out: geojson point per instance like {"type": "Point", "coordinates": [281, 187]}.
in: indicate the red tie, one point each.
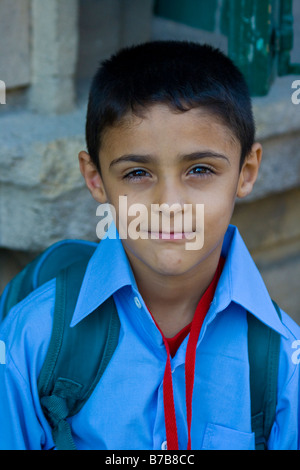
{"type": "Point", "coordinates": [190, 358]}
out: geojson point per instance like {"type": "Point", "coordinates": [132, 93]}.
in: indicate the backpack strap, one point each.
{"type": "Point", "coordinates": [263, 350]}
{"type": "Point", "coordinates": [17, 289]}
{"type": "Point", "coordinates": [43, 268]}
{"type": "Point", "coordinates": [77, 356]}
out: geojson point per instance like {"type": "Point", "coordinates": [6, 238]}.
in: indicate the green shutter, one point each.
{"type": "Point", "coordinates": [260, 33]}
{"type": "Point", "coordinates": [195, 13]}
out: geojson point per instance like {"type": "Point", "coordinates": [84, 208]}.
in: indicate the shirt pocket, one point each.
{"type": "Point", "coordinates": [218, 437]}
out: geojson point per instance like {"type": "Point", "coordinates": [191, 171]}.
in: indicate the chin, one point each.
{"type": "Point", "coordinates": [171, 264]}
{"type": "Point", "coordinates": [167, 261]}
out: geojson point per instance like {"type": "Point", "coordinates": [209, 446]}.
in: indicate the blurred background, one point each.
{"type": "Point", "coordinates": [49, 51]}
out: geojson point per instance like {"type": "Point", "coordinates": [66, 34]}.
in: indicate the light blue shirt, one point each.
{"type": "Point", "coordinates": [126, 409]}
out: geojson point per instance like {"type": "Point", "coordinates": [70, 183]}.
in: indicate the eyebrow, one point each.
{"type": "Point", "coordinates": [146, 159]}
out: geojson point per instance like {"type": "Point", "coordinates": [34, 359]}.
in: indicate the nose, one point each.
{"type": "Point", "coordinates": [169, 197]}
{"type": "Point", "coordinates": [167, 211]}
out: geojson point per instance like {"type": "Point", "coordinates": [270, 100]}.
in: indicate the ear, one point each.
{"type": "Point", "coordinates": [249, 171]}
{"type": "Point", "coordinates": [92, 177]}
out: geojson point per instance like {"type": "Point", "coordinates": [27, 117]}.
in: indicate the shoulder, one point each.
{"type": "Point", "coordinates": [286, 429]}
{"type": "Point", "coordinates": [292, 332]}
{"type": "Point", "coordinates": [292, 328]}
{"type": "Point", "coordinates": [290, 348]}
{"type": "Point", "coordinates": [26, 331]}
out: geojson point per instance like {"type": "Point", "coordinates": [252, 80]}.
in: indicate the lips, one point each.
{"type": "Point", "coordinates": [170, 235]}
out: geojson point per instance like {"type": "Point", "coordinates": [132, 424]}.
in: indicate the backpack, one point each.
{"type": "Point", "coordinates": [78, 356]}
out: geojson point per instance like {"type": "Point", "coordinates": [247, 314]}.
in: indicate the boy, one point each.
{"type": "Point", "coordinates": [169, 127]}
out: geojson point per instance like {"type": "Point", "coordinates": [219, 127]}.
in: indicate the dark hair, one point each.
{"type": "Point", "coordinates": [181, 74]}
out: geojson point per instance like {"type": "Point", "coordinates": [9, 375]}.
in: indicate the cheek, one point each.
{"type": "Point", "coordinates": [218, 212]}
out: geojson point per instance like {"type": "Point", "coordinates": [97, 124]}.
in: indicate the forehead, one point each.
{"type": "Point", "coordinates": [159, 127]}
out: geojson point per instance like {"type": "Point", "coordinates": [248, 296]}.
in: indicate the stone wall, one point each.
{"type": "Point", "coordinates": [271, 229]}
{"type": "Point", "coordinates": [58, 46]}
{"type": "Point", "coordinates": [15, 63]}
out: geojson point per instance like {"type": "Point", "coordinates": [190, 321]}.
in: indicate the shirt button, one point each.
{"type": "Point", "coordinates": [137, 302]}
{"type": "Point", "coordinates": [164, 446]}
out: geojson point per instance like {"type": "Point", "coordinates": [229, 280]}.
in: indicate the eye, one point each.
{"type": "Point", "coordinates": [201, 171]}
{"type": "Point", "coordinates": [137, 175]}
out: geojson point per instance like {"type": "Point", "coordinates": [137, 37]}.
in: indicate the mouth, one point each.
{"type": "Point", "coordinates": [171, 235]}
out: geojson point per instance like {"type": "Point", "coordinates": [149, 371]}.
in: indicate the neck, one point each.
{"type": "Point", "coordinates": [172, 300]}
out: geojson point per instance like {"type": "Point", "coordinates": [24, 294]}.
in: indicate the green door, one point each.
{"type": "Point", "coordinates": [260, 33]}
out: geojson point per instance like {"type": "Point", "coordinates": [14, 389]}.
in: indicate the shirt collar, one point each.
{"type": "Point", "coordinates": [241, 282]}
{"type": "Point", "coordinates": [109, 270]}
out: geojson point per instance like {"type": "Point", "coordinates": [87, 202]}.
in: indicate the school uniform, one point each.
{"type": "Point", "coordinates": [127, 407]}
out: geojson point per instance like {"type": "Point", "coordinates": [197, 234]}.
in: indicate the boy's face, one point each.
{"type": "Point", "coordinates": [171, 158]}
